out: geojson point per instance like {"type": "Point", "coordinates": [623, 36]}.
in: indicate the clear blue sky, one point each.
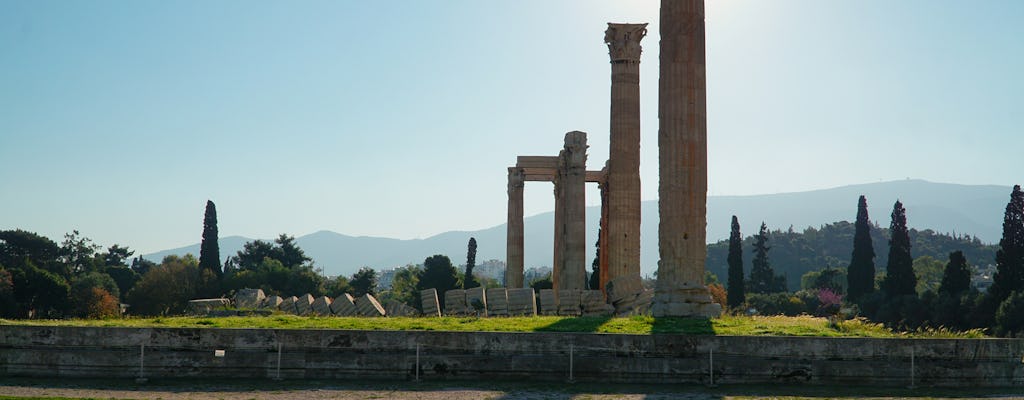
{"type": "Point", "coordinates": [121, 118]}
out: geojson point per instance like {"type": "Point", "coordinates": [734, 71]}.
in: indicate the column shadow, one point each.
{"type": "Point", "coordinates": [685, 326]}
{"type": "Point", "coordinates": [578, 324]}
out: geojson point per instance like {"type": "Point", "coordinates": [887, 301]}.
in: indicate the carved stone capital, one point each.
{"type": "Point", "coordinates": [623, 41]}
{"type": "Point", "coordinates": [515, 179]}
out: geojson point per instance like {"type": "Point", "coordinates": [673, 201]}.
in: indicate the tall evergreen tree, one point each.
{"type": "Point", "coordinates": [736, 295]}
{"type": "Point", "coordinates": [860, 276]}
{"type": "Point", "coordinates": [762, 276]}
{"type": "Point", "coordinates": [1009, 275]}
{"type": "Point", "coordinates": [595, 276]}
{"type": "Point", "coordinates": [956, 278]}
{"type": "Point", "coordinates": [900, 279]}
{"type": "Point", "coordinates": [437, 273]}
{"type": "Point", "coordinates": [469, 281]}
{"type": "Point", "coordinates": [209, 250]}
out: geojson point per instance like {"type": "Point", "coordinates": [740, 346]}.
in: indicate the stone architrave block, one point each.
{"type": "Point", "coordinates": [368, 306]}
{"type": "Point", "coordinates": [569, 302]}
{"type": "Point", "coordinates": [395, 308]}
{"type": "Point", "coordinates": [271, 303]}
{"type": "Point", "coordinates": [623, 288]}
{"type": "Point", "coordinates": [249, 298]}
{"type": "Point", "coordinates": [304, 304]}
{"type": "Point", "coordinates": [592, 302]}
{"type": "Point", "coordinates": [205, 306]}
{"type": "Point", "coordinates": [636, 305]}
{"type": "Point", "coordinates": [288, 305]}
{"type": "Point", "coordinates": [344, 306]}
{"type": "Point", "coordinates": [455, 302]}
{"type": "Point", "coordinates": [322, 306]}
{"type": "Point", "coordinates": [429, 301]}
{"type": "Point", "coordinates": [476, 301]}
{"type": "Point", "coordinates": [548, 302]}
{"type": "Point", "coordinates": [522, 301]}
{"type": "Point", "coordinates": [497, 302]}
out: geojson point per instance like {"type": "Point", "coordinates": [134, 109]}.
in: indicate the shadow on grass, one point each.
{"type": "Point", "coordinates": [685, 326]}
{"type": "Point", "coordinates": [578, 324]}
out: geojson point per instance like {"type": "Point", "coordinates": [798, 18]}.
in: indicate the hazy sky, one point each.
{"type": "Point", "coordinates": [399, 118]}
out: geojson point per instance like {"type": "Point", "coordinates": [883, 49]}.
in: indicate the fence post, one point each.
{"type": "Point", "coordinates": [417, 379]}
{"type": "Point", "coordinates": [142, 364]}
{"type": "Point", "coordinates": [278, 377]}
{"type": "Point", "coordinates": [711, 366]}
{"type": "Point", "coordinates": [911, 368]}
{"type": "Point", "coordinates": [571, 378]}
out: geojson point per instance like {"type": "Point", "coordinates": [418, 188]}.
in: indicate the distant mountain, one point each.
{"type": "Point", "coordinates": [964, 209]}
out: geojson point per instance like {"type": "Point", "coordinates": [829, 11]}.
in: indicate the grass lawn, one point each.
{"type": "Point", "coordinates": [725, 325]}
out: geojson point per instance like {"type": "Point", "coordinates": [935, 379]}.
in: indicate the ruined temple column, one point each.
{"type": "Point", "coordinates": [682, 159]}
{"type": "Point", "coordinates": [623, 234]}
{"type": "Point", "coordinates": [559, 233]}
{"type": "Point", "coordinates": [602, 238]}
{"type": "Point", "coordinates": [571, 269]}
{"type": "Point", "coordinates": [514, 238]}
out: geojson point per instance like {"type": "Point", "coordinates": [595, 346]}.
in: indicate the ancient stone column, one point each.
{"type": "Point", "coordinates": [682, 159]}
{"type": "Point", "coordinates": [559, 233]}
{"type": "Point", "coordinates": [623, 232]}
{"type": "Point", "coordinates": [602, 239]}
{"type": "Point", "coordinates": [571, 270]}
{"type": "Point", "coordinates": [514, 238]}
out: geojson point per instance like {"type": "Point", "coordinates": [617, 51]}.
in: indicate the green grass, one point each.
{"type": "Point", "coordinates": [725, 325]}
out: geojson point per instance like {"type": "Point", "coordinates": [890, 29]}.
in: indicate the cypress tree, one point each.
{"type": "Point", "coordinates": [762, 277]}
{"type": "Point", "coordinates": [469, 281]}
{"type": "Point", "coordinates": [1009, 275]}
{"type": "Point", "coordinates": [900, 279]}
{"type": "Point", "coordinates": [595, 277]}
{"type": "Point", "coordinates": [736, 295]}
{"type": "Point", "coordinates": [956, 278]}
{"type": "Point", "coordinates": [209, 250]}
{"type": "Point", "coordinates": [860, 276]}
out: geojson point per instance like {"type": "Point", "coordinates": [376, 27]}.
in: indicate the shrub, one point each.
{"type": "Point", "coordinates": [1010, 315]}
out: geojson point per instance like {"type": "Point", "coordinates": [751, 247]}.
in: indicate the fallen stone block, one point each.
{"type": "Point", "coordinates": [476, 301]}
{"type": "Point", "coordinates": [368, 306]}
{"type": "Point", "coordinates": [395, 308]}
{"type": "Point", "coordinates": [249, 298]}
{"type": "Point", "coordinates": [592, 303]}
{"type": "Point", "coordinates": [288, 305]}
{"type": "Point", "coordinates": [205, 306]}
{"type": "Point", "coordinates": [304, 305]}
{"type": "Point", "coordinates": [322, 306]}
{"type": "Point", "coordinates": [497, 302]}
{"type": "Point", "coordinates": [271, 303]}
{"type": "Point", "coordinates": [522, 301]}
{"type": "Point", "coordinates": [623, 288]}
{"type": "Point", "coordinates": [569, 302]}
{"type": "Point", "coordinates": [344, 306]}
{"type": "Point", "coordinates": [455, 302]}
{"type": "Point", "coordinates": [429, 302]}
{"type": "Point", "coordinates": [548, 302]}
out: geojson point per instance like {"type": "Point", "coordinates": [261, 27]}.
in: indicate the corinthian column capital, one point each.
{"type": "Point", "coordinates": [623, 41]}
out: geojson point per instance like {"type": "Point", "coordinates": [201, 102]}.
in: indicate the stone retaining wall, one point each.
{"type": "Point", "coordinates": [341, 354]}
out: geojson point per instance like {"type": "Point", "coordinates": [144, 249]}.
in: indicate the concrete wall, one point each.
{"type": "Point", "coordinates": [340, 354]}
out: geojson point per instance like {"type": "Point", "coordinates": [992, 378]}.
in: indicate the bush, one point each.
{"type": "Point", "coordinates": [776, 304]}
{"type": "Point", "coordinates": [1010, 316]}
{"type": "Point", "coordinates": [99, 304]}
{"type": "Point", "coordinates": [718, 294]}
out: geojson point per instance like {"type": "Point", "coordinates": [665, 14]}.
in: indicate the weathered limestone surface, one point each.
{"type": "Point", "coordinates": [514, 239]}
{"type": "Point", "coordinates": [288, 305]}
{"type": "Point", "coordinates": [249, 298]}
{"type": "Point", "coordinates": [322, 305]}
{"type": "Point", "coordinates": [522, 301]}
{"type": "Point", "coordinates": [592, 303]}
{"type": "Point", "coordinates": [368, 306]}
{"type": "Point", "coordinates": [623, 287]}
{"type": "Point", "coordinates": [455, 302]}
{"type": "Point", "coordinates": [623, 233]}
{"type": "Point", "coordinates": [395, 308]}
{"type": "Point", "coordinates": [476, 301]}
{"type": "Point", "coordinates": [430, 303]}
{"type": "Point", "coordinates": [682, 161]}
{"type": "Point", "coordinates": [205, 306]}
{"type": "Point", "coordinates": [497, 302]}
{"type": "Point", "coordinates": [344, 306]}
{"type": "Point", "coordinates": [569, 271]}
{"type": "Point", "coordinates": [271, 303]}
{"type": "Point", "coordinates": [569, 302]}
{"type": "Point", "coordinates": [304, 304]}
{"type": "Point", "coordinates": [548, 302]}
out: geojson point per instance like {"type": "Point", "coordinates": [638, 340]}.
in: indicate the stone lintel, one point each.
{"type": "Point", "coordinates": [537, 162]}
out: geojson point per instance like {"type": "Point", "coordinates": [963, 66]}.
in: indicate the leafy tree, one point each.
{"type": "Point", "coordinates": [956, 278]}
{"type": "Point", "coordinates": [124, 277]}
{"type": "Point", "coordinates": [8, 303]}
{"type": "Point", "coordinates": [16, 246]}
{"type": "Point", "coordinates": [117, 256]}
{"type": "Point", "coordinates": [541, 283]}
{"type": "Point", "coordinates": [861, 272]}
{"type": "Point", "coordinates": [594, 283]}
{"type": "Point", "coordinates": [98, 304]}
{"type": "Point", "coordinates": [253, 253]}
{"type": "Point", "coordinates": [167, 288]}
{"type": "Point", "coordinates": [209, 249]}
{"type": "Point", "coordinates": [928, 271]}
{"type": "Point", "coordinates": [336, 286]}
{"type": "Point", "coordinates": [141, 265]}
{"type": "Point", "coordinates": [92, 295]}
{"type": "Point", "coordinates": [1010, 315]}
{"type": "Point", "coordinates": [736, 295]}
{"type": "Point", "coordinates": [1009, 275]}
{"type": "Point", "coordinates": [403, 286]}
{"type": "Point", "coordinates": [468, 281]}
{"type": "Point", "coordinates": [438, 273]}
{"type": "Point", "coordinates": [78, 252]}
{"type": "Point", "coordinates": [832, 279]}
{"type": "Point", "coordinates": [363, 282]}
{"type": "Point", "coordinates": [762, 277]}
{"type": "Point", "coordinates": [289, 253]}
{"type": "Point", "coordinates": [899, 278]}
{"type": "Point", "coordinates": [38, 292]}
{"type": "Point", "coordinates": [84, 282]}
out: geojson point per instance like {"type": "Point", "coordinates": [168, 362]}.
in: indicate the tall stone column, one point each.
{"type": "Point", "coordinates": [559, 233]}
{"type": "Point", "coordinates": [623, 234]}
{"type": "Point", "coordinates": [571, 271]}
{"type": "Point", "coordinates": [602, 238]}
{"type": "Point", "coordinates": [514, 237]}
{"type": "Point", "coordinates": [682, 154]}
